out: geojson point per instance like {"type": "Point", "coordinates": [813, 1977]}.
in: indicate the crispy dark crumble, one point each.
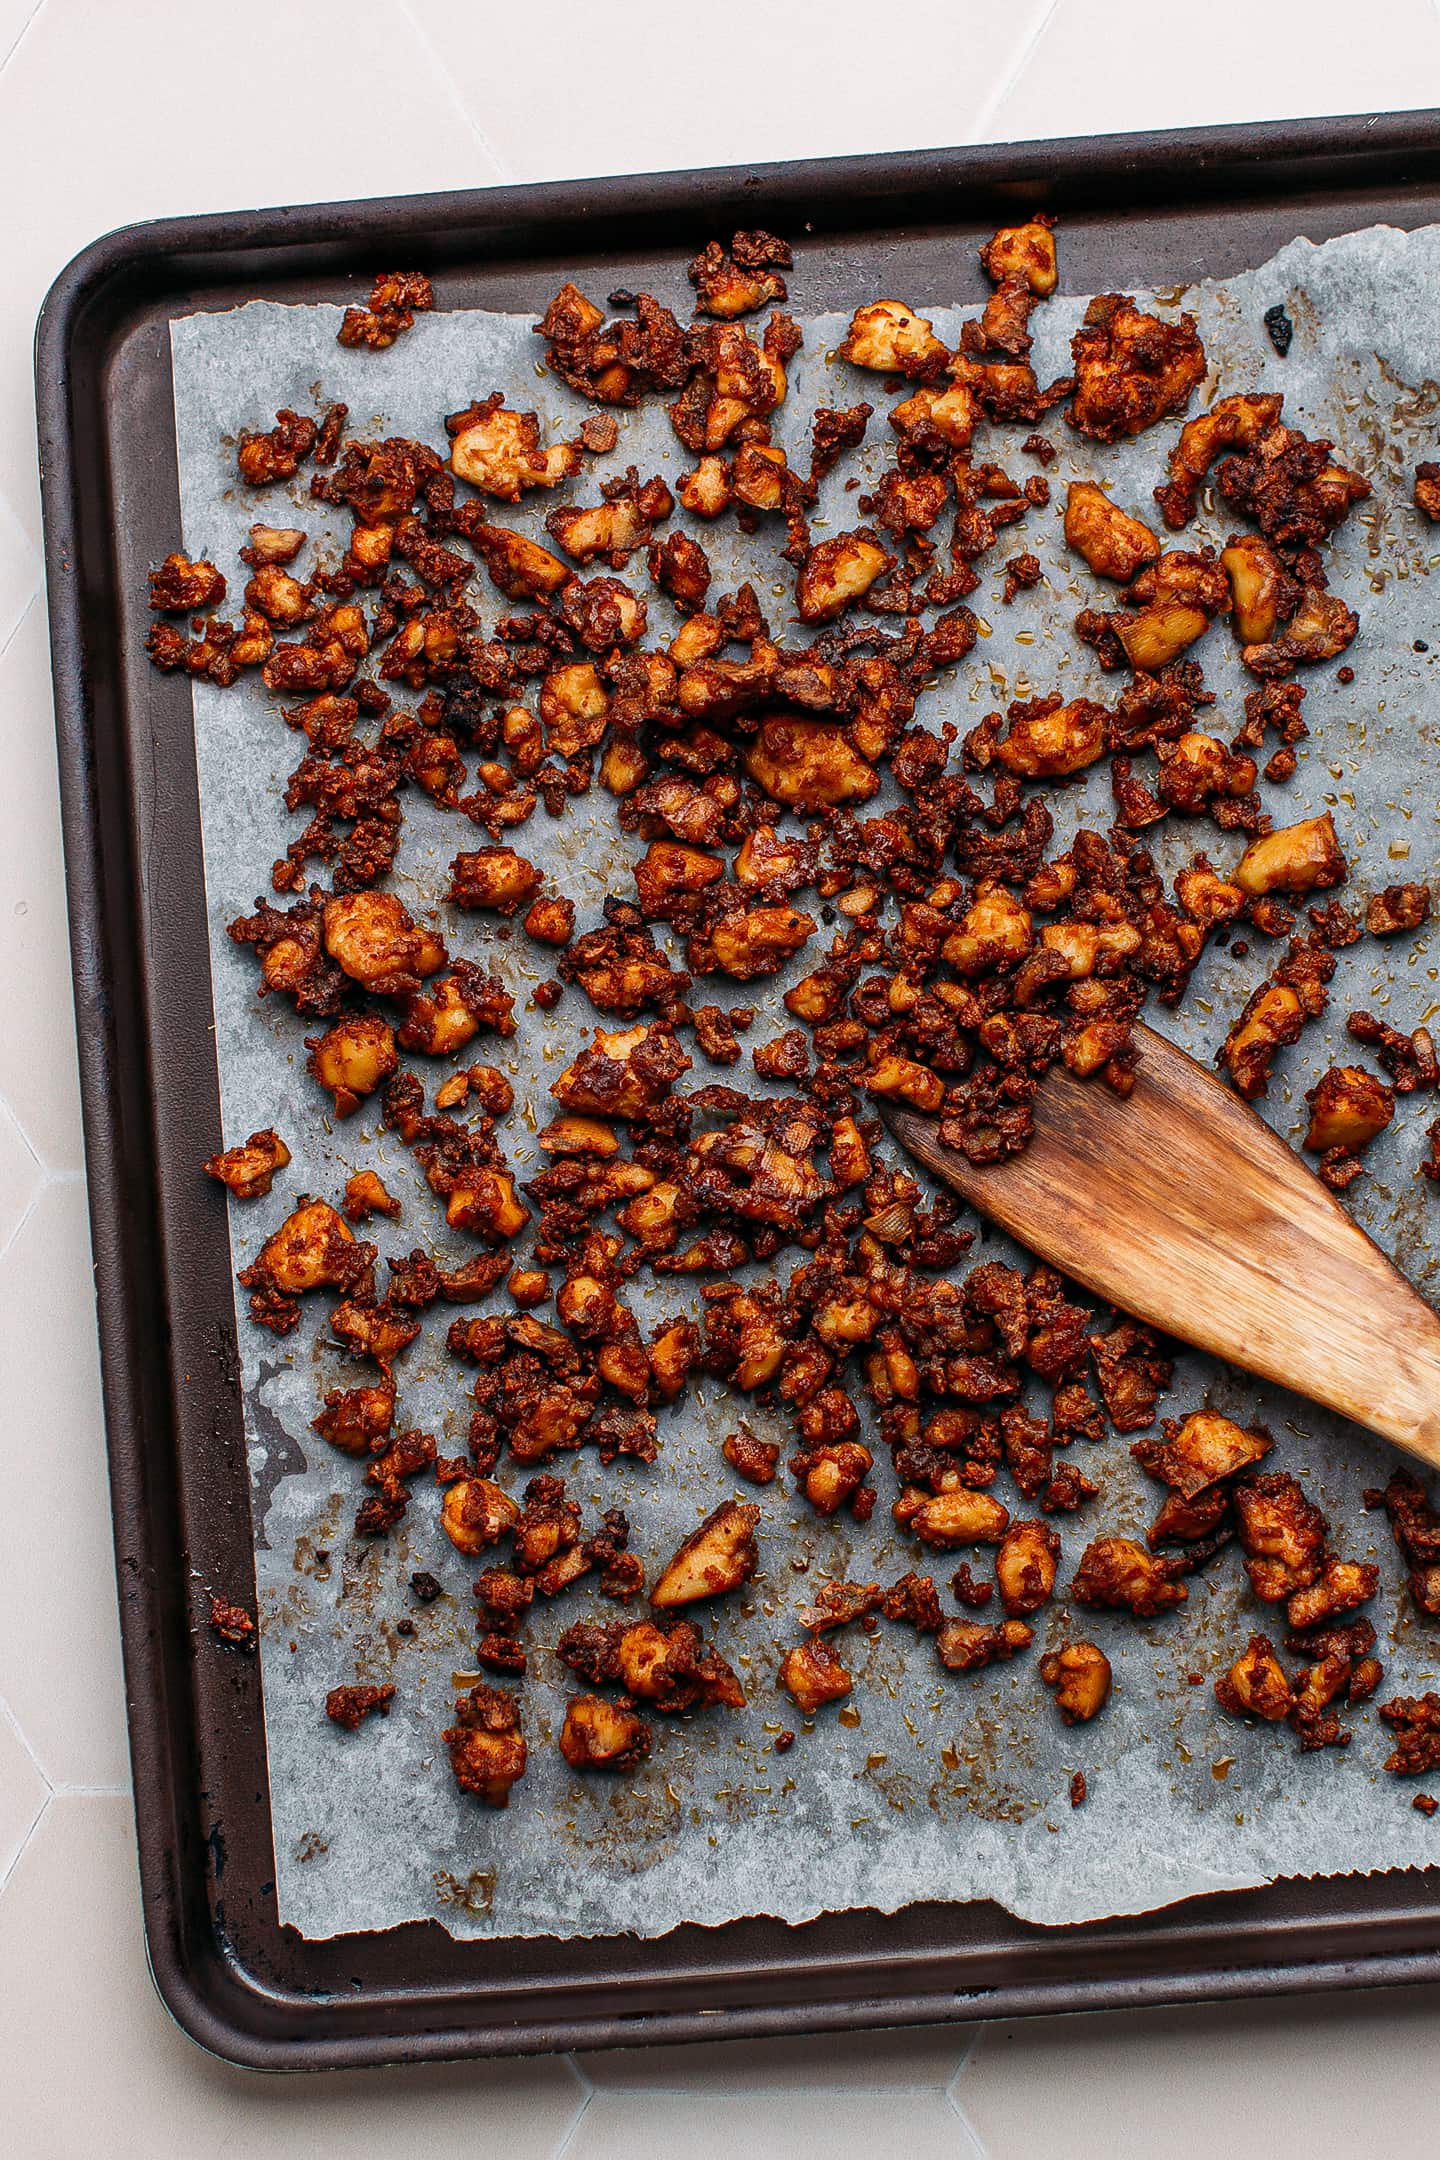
{"type": "Point", "coordinates": [348, 1707]}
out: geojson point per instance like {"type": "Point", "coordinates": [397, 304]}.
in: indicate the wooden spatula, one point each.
{"type": "Point", "coordinates": [1182, 1207]}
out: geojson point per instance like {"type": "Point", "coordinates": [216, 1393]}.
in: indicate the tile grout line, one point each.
{"type": "Point", "coordinates": [24, 615]}
{"type": "Point", "coordinates": [6, 1243]}
{"type": "Point", "coordinates": [807, 2091]}
{"type": "Point", "coordinates": [40, 1813]}
{"type": "Point", "coordinates": [25, 1140]}
{"type": "Point", "coordinates": [23, 33]}
{"type": "Point", "coordinates": [10, 1719]}
{"type": "Point", "coordinates": [980, 126]}
{"type": "Point", "coordinates": [403, 7]}
{"type": "Point", "coordinates": [587, 2095]}
{"type": "Point", "coordinates": [952, 2096]}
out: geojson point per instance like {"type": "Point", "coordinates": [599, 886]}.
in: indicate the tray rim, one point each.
{"type": "Point", "coordinates": [218, 2006]}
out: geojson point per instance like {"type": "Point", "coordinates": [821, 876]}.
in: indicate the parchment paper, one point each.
{"type": "Point", "coordinates": [927, 1785]}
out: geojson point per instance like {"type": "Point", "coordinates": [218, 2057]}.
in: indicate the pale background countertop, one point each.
{"type": "Point", "coordinates": [147, 108]}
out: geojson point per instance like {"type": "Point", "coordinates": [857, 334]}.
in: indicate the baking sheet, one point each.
{"type": "Point", "coordinates": [947, 1786]}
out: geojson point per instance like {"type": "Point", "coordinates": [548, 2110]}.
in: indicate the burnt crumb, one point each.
{"type": "Point", "coordinates": [1279, 328]}
{"type": "Point", "coordinates": [232, 1625]}
{"type": "Point", "coordinates": [348, 1707]}
{"type": "Point", "coordinates": [1078, 1789]}
{"type": "Point", "coordinates": [784, 1741]}
{"type": "Point", "coordinates": [600, 432]}
{"type": "Point", "coordinates": [1415, 1722]}
{"type": "Point", "coordinates": [968, 1590]}
{"type": "Point", "coordinates": [1424, 1803]}
{"type": "Point", "coordinates": [405, 1627]}
{"type": "Point", "coordinates": [424, 1586]}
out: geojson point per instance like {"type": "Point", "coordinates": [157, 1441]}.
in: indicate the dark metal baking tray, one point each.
{"type": "Point", "coordinates": [1151, 209]}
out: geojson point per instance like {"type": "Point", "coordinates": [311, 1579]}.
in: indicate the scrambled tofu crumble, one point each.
{"type": "Point", "coordinates": [952, 957]}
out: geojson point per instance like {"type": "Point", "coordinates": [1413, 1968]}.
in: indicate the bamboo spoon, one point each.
{"type": "Point", "coordinates": [1182, 1207]}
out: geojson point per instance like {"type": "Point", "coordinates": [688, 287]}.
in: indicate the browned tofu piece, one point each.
{"type": "Point", "coordinates": [808, 765]}
{"type": "Point", "coordinates": [249, 1169]}
{"type": "Point", "coordinates": [838, 572]}
{"type": "Point", "coordinates": [352, 1059]}
{"type": "Point", "coordinates": [948, 1520]}
{"type": "Point", "coordinates": [892, 339]}
{"type": "Point", "coordinates": [1258, 584]}
{"type": "Point", "coordinates": [1256, 1684]}
{"type": "Point", "coordinates": [968, 1645]}
{"type": "Point", "coordinates": [1205, 1448]}
{"type": "Point", "coordinates": [1231, 423]}
{"type": "Point", "coordinates": [1282, 1534]}
{"type": "Point", "coordinates": [487, 1748]}
{"type": "Point", "coordinates": [1131, 369]}
{"type": "Point", "coordinates": [348, 1707]}
{"type": "Point", "coordinates": [1272, 1018]}
{"type": "Point", "coordinates": [1342, 1586]}
{"type": "Point", "coordinates": [495, 878]}
{"type": "Point", "coordinates": [994, 933]}
{"type": "Point", "coordinates": [902, 1079]}
{"type": "Point", "coordinates": [1024, 251]}
{"type": "Point", "coordinates": [1294, 859]}
{"type": "Point", "coordinates": [183, 587]}
{"type": "Point", "coordinates": [623, 1074]}
{"type": "Point", "coordinates": [1348, 1107]}
{"type": "Point", "coordinates": [375, 939]}
{"type": "Point", "coordinates": [574, 709]}
{"type": "Point", "coordinates": [366, 1195]}
{"type": "Point", "coordinates": [500, 452]}
{"type": "Point", "coordinates": [1050, 739]}
{"type": "Point", "coordinates": [714, 1559]}
{"type": "Point", "coordinates": [1114, 544]}
{"type": "Point", "coordinates": [1116, 1571]}
{"type": "Point", "coordinates": [477, 1513]}
{"type": "Point", "coordinates": [1078, 1674]}
{"type": "Point", "coordinates": [1398, 907]}
{"type": "Point", "coordinates": [357, 1421]}
{"type": "Point", "coordinates": [599, 1735]}
{"type": "Point", "coordinates": [812, 1675]}
{"type": "Point", "coordinates": [312, 1250]}
{"type": "Point", "coordinates": [751, 942]}
{"type": "Point", "coordinates": [1026, 1565]}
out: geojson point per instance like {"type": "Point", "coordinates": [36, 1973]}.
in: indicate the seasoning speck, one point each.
{"type": "Point", "coordinates": [1279, 328]}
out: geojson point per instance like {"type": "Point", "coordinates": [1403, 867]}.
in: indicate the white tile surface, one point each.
{"type": "Point", "coordinates": [15, 15]}
{"type": "Point", "coordinates": [161, 107]}
{"type": "Point", "coordinates": [1290, 2081]}
{"type": "Point", "coordinates": [801, 2125]}
{"type": "Point", "coordinates": [38, 1079]}
{"type": "Point", "coordinates": [148, 108]}
{"type": "Point", "coordinates": [1098, 70]}
{"type": "Point", "coordinates": [557, 90]}
{"type": "Point", "coordinates": [59, 1640]}
{"type": "Point", "coordinates": [94, 2066]}
{"type": "Point", "coordinates": [19, 571]}
{"type": "Point", "coordinates": [21, 1177]}
{"type": "Point", "coordinates": [23, 1793]}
